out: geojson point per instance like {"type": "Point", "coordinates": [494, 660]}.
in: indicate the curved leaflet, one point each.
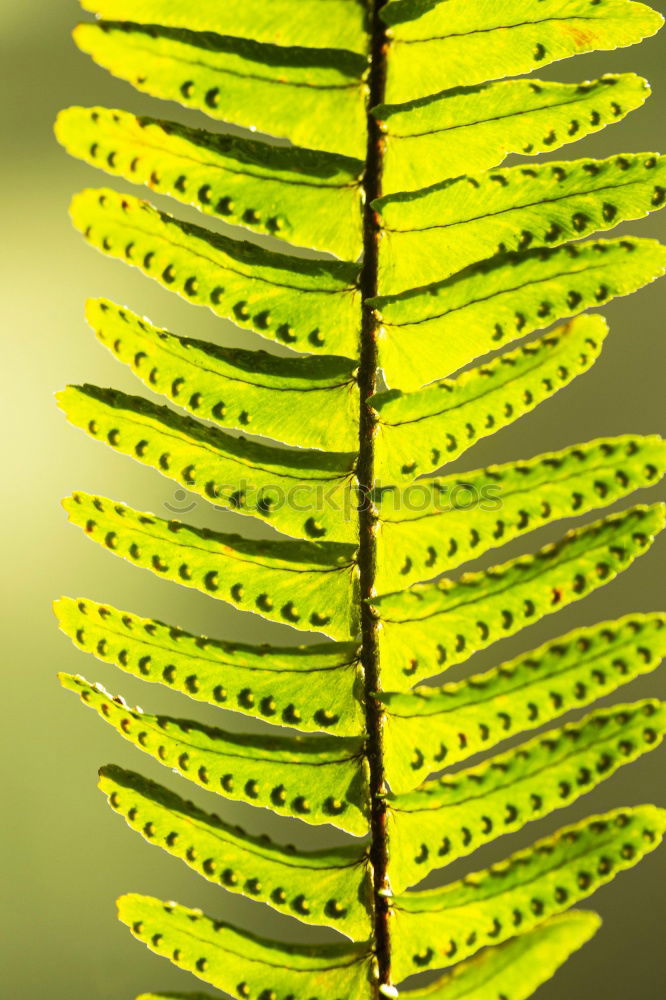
{"type": "Point", "coordinates": [317, 887]}
{"type": "Point", "coordinates": [315, 98]}
{"type": "Point", "coordinates": [474, 128]}
{"type": "Point", "coordinates": [312, 688]}
{"type": "Point", "coordinates": [431, 627]}
{"type": "Point", "coordinates": [307, 585]}
{"type": "Point", "coordinates": [306, 304]}
{"type": "Point", "coordinates": [267, 189]}
{"type": "Point", "coordinates": [319, 780]}
{"type": "Point", "coordinates": [288, 399]}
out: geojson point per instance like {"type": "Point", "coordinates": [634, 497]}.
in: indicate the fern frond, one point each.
{"type": "Point", "coordinates": [384, 126]}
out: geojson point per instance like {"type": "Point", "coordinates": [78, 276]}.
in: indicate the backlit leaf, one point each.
{"type": "Point", "coordinates": [317, 23]}
{"type": "Point", "coordinates": [308, 585]}
{"type": "Point", "coordinates": [312, 402]}
{"type": "Point", "coordinates": [428, 235]}
{"type": "Point", "coordinates": [308, 305]}
{"type": "Point", "coordinates": [360, 150]}
{"type": "Point", "coordinates": [446, 820]}
{"type": "Point", "coordinates": [316, 779]}
{"type": "Point", "coordinates": [434, 525]}
{"type": "Point", "coordinates": [474, 128]}
{"type": "Point", "coordinates": [315, 97]}
{"type": "Point", "coordinates": [431, 728]}
{"type": "Point", "coordinates": [318, 887]}
{"type": "Point", "coordinates": [312, 688]}
{"type": "Point", "coordinates": [438, 44]}
{"type": "Point", "coordinates": [431, 627]}
{"type": "Point", "coordinates": [305, 494]}
{"type": "Point", "coordinates": [436, 928]}
{"type": "Point", "coordinates": [308, 198]}
{"type": "Point", "coordinates": [434, 331]}
{"type": "Point", "coordinates": [242, 963]}
{"type": "Point", "coordinates": [420, 431]}
{"type": "Point", "coordinates": [512, 970]}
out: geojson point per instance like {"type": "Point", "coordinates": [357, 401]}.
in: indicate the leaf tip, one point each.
{"type": "Point", "coordinates": [94, 309]}
{"type": "Point", "coordinates": [82, 35]}
{"type": "Point", "coordinates": [61, 397]}
{"type": "Point", "coordinates": [60, 607]}
{"type": "Point", "coordinates": [588, 921]}
{"type": "Point", "coordinates": [70, 682]}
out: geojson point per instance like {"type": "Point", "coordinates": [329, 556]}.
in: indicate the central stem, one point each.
{"type": "Point", "coordinates": [367, 380]}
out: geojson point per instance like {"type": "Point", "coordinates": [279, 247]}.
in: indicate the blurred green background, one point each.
{"type": "Point", "coordinates": [66, 856]}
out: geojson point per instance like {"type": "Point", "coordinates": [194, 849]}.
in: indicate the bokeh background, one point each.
{"type": "Point", "coordinates": [65, 855]}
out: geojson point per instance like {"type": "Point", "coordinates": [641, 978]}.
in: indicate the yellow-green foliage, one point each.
{"type": "Point", "coordinates": [398, 247]}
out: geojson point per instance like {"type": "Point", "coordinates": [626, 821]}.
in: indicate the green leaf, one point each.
{"type": "Point", "coordinates": [318, 779]}
{"type": "Point", "coordinates": [308, 198]}
{"type": "Point", "coordinates": [514, 969]}
{"type": "Point", "coordinates": [435, 928]}
{"type": "Point", "coordinates": [428, 235]}
{"type": "Point", "coordinates": [317, 887]}
{"type": "Point", "coordinates": [309, 305]}
{"type": "Point", "coordinates": [431, 627]}
{"type": "Point", "coordinates": [434, 525]}
{"type": "Point", "coordinates": [242, 963]}
{"type": "Point", "coordinates": [310, 402]}
{"type": "Point", "coordinates": [314, 97]}
{"type": "Point", "coordinates": [449, 819]}
{"type": "Point", "coordinates": [430, 728]}
{"type": "Point", "coordinates": [316, 23]}
{"type": "Point", "coordinates": [431, 332]}
{"type": "Point", "coordinates": [460, 260]}
{"type": "Point", "coordinates": [311, 688]}
{"type": "Point", "coordinates": [475, 128]}
{"type": "Point", "coordinates": [308, 585]}
{"type": "Point", "coordinates": [419, 431]}
{"type": "Point", "coordinates": [438, 44]}
{"type": "Point", "coordinates": [305, 494]}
